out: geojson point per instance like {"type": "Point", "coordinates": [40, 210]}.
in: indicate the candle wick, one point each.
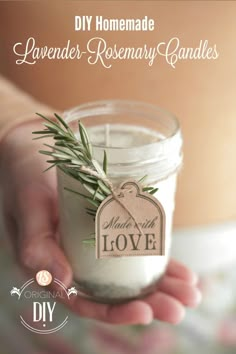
{"type": "Point", "coordinates": [107, 135]}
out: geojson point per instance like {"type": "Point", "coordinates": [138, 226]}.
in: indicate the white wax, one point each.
{"type": "Point", "coordinates": [129, 273]}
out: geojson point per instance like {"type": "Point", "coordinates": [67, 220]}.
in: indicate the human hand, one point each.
{"type": "Point", "coordinates": [31, 218]}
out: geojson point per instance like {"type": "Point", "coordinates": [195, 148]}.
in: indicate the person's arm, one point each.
{"type": "Point", "coordinates": [17, 107]}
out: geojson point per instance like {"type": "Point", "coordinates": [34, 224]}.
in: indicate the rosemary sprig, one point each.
{"type": "Point", "coordinates": [74, 157]}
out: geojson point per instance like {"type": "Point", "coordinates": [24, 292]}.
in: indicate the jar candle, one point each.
{"type": "Point", "coordinates": [140, 140]}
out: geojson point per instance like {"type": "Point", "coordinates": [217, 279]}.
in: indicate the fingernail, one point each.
{"type": "Point", "coordinates": [195, 279]}
{"type": "Point", "coordinates": [180, 317]}
{"type": "Point", "coordinates": [61, 273]}
{"type": "Point", "coordinates": [198, 296]}
{"type": "Point", "coordinates": [148, 318]}
{"type": "Point", "coordinates": [147, 321]}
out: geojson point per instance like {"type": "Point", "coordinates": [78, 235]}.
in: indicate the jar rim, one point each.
{"type": "Point", "coordinates": [158, 158]}
{"type": "Point", "coordinates": [115, 106]}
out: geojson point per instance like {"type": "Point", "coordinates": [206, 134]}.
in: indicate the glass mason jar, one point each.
{"type": "Point", "coordinates": [140, 140]}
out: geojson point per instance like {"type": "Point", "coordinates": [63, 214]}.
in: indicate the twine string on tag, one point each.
{"type": "Point", "coordinates": [107, 182]}
{"type": "Point", "coordinates": [116, 197]}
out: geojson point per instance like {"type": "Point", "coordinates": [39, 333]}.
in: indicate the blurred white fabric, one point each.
{"type": "Point", "coordinates": [207, 248]}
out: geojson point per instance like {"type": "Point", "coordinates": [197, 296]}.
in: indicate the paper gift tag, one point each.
{"type": "Point", "coordinates": [130, 223]}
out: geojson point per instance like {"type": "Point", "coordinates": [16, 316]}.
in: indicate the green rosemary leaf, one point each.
{"type": "Point", "coordinates": [63, 169]}
{"type": "Point", "coordinates": [85, 140]}
{"type": "Point", "coordinates": [96, 194]}
{"type": "Point", "coordinates": [62, 121]}
{"type": "Point", "coordinates": [61, 137]}
{"type": "Point", "coordinates": [50, 121]}
{"type": "Point", "coordinates": [52, 165]}
{"type": "Point", "coordinates": [142, 179]}
{"type": "Point", "coordinates": [104, 165]}
{"type": "Point", "coordinates": [98, 168]}
{"type": "Point", "coordinates": [61, 156]}
{"type": "Point", "coordinates": [54, 148]}
{"type": "Point", "coordinates": [91, 211]}
{"type": "Point", "coordinates": [103, 187]}
{"type": "Point", "coordinates": [89, 241]}
{"type": "Point", "coordinates": [93, 202]}
{"type": "Point", "coordinates": [153, 191]}
{"type": "Point", "coordinates": [82, 137]}
{"type": "Point", "coordinates": [41, 132]}
{"type": "Point", "coordinates": [147, 189]}
{"type": "Point", "coordinates": [71, 173]}
{"type": "Point", "coordinates": [91, 214]}
{"type": "Point", "coordinates": [52, 128]}
{"type": "Point", "coordinates": [90, 200]}
{"type": "Point", "coordinates": [44, 136]}
{"type": "Point", "coordinates": [60, 143]}
{"type": "Point", "coordinates": [76, 162]}
{"type": "Point", "coordinates": [76, 152]}
{"type": "Point", "coordinates": [58, 137]}
{"type": "Point", "coordinates": [43, 152]}
{"type": "Point", "coordinates": [87, 179]}
{"type": "Point", "coordinates": [79, 148]}
{"type": "Point", "coordinates": [45, 118]}
{"type": "Point", "coordinates": [91, 189]}
{"type": "Point", "coordinates": [58, 161]}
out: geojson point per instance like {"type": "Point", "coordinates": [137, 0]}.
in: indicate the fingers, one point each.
{"type": "Point", "coordinates": [166, 308]}
{"type": "Point", "coordinates": [36, 219]}
{"type": "Point", "coordinates": [134, 312]}
{"type": "Point", "coordinates": [175, 290]}
{"type": "Point", "coordinates": [166, 304]}
{"type": "Point", "coordinates": [186, 293]}
{"type": "Point", "coordinates": [46, 254]}
{"type": "Point", "coordinates": [180, 271]}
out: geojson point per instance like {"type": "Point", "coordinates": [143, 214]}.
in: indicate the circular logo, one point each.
{"type": "Point", "coordinates": [44, 278]}
{"type": "Point", "coordinates": [45, 316]}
